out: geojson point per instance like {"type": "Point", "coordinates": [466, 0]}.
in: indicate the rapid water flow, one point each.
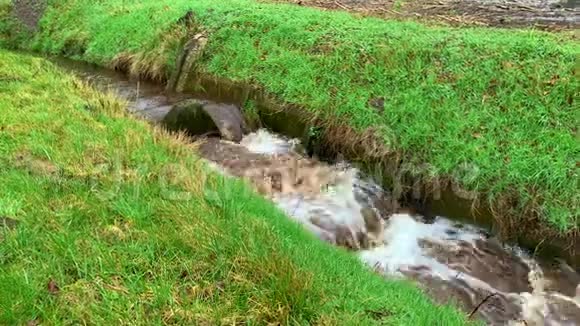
{"type": "Point", "coordinates": [452, 262]}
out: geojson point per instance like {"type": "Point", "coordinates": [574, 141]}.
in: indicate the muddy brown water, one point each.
{"type": "Point", "coordinates": [452, 260]}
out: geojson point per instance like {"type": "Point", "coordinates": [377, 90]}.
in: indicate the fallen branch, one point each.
{"type": "Point", "coordinates": [341, 5]}
{"type": "Point", "coordinates": [480, 304]}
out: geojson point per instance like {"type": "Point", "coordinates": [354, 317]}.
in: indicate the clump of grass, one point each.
{"type": "Point", "coordinates": [120, 223]}
{"type": "Point", "coordinates": [5, 6]}
{"type": "Point", "coordinates": [251, 114]}
{"type": "Point", "coordinates": [501, 101]}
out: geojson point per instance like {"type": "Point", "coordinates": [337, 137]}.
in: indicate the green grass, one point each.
{"type": "Point", "coordinates": [502, 101]}
{"type": "Point", "coordinates": [4, 21]}
{"type": "Point", "coordinates": [119, 223]}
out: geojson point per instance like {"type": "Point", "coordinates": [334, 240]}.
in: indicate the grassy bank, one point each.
{"type": "Point", "coordinates": [4, 22]}
{"type": "Point", "coordinates": [499, 101]}
{"type": "Point", "coordinates": [119, 223]}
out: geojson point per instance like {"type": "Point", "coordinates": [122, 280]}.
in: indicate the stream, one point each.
{"type": "Point", "coordinates": [452, 261]}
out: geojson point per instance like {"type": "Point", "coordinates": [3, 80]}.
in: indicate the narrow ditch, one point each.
{"type": "Point", "coordinates": [344, 200]}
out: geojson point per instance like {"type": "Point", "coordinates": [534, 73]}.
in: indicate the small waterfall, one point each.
{"type": "Point", "coordinates": [453, 262]}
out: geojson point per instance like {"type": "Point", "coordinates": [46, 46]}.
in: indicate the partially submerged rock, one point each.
{"type": "Point", "coordinates": [229, 120]}
{"type": "Point", "coordinates": [204, 118]}
{"type": "Point", "coordinates": [190, 116]}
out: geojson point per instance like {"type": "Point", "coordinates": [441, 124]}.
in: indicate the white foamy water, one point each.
{"type": "Point", "coordinates": [336, 207]}
{"type": "Point", "coordinates": [402, 250]}
{"type": "Point", "coordinates": [264, 142]}
{"type": "Point", "coordinates": [442, 256]}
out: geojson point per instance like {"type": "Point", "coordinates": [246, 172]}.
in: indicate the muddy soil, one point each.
{"type": "Point", "coordinates": [29, 12]}
{"type": "Point", "coordinates": [543, 14]}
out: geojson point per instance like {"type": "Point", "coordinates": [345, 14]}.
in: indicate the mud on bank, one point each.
{"type": "Point", "coordinates": [550, 15]}
{"type": "Point", "coordinates": [389, 93]}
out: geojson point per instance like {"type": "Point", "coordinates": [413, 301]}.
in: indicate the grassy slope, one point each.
{"type": "Point", "coordinates": [96, 196]}
{"type": "Point", "coordinates": [4, 22]}
{"type": "Point", "coordinates": [498, 100]}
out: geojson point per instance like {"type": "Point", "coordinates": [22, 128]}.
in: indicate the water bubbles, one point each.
{"type": "Point", "coordinates": [450, 259]}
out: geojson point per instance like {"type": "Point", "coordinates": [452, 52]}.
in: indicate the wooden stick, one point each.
{"type": "Point", "coordinates": [480, 304]}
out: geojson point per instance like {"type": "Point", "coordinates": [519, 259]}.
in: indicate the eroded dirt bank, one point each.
{"type": "Point", "coordinates": [545, 14]}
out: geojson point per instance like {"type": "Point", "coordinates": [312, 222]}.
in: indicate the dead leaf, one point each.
{"type": "Point", "coordinates": [52, 287]}
{"type": "Point", "coordinates": [554, 80]}
{"type": "Point", "coordinates": [507, 64]}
